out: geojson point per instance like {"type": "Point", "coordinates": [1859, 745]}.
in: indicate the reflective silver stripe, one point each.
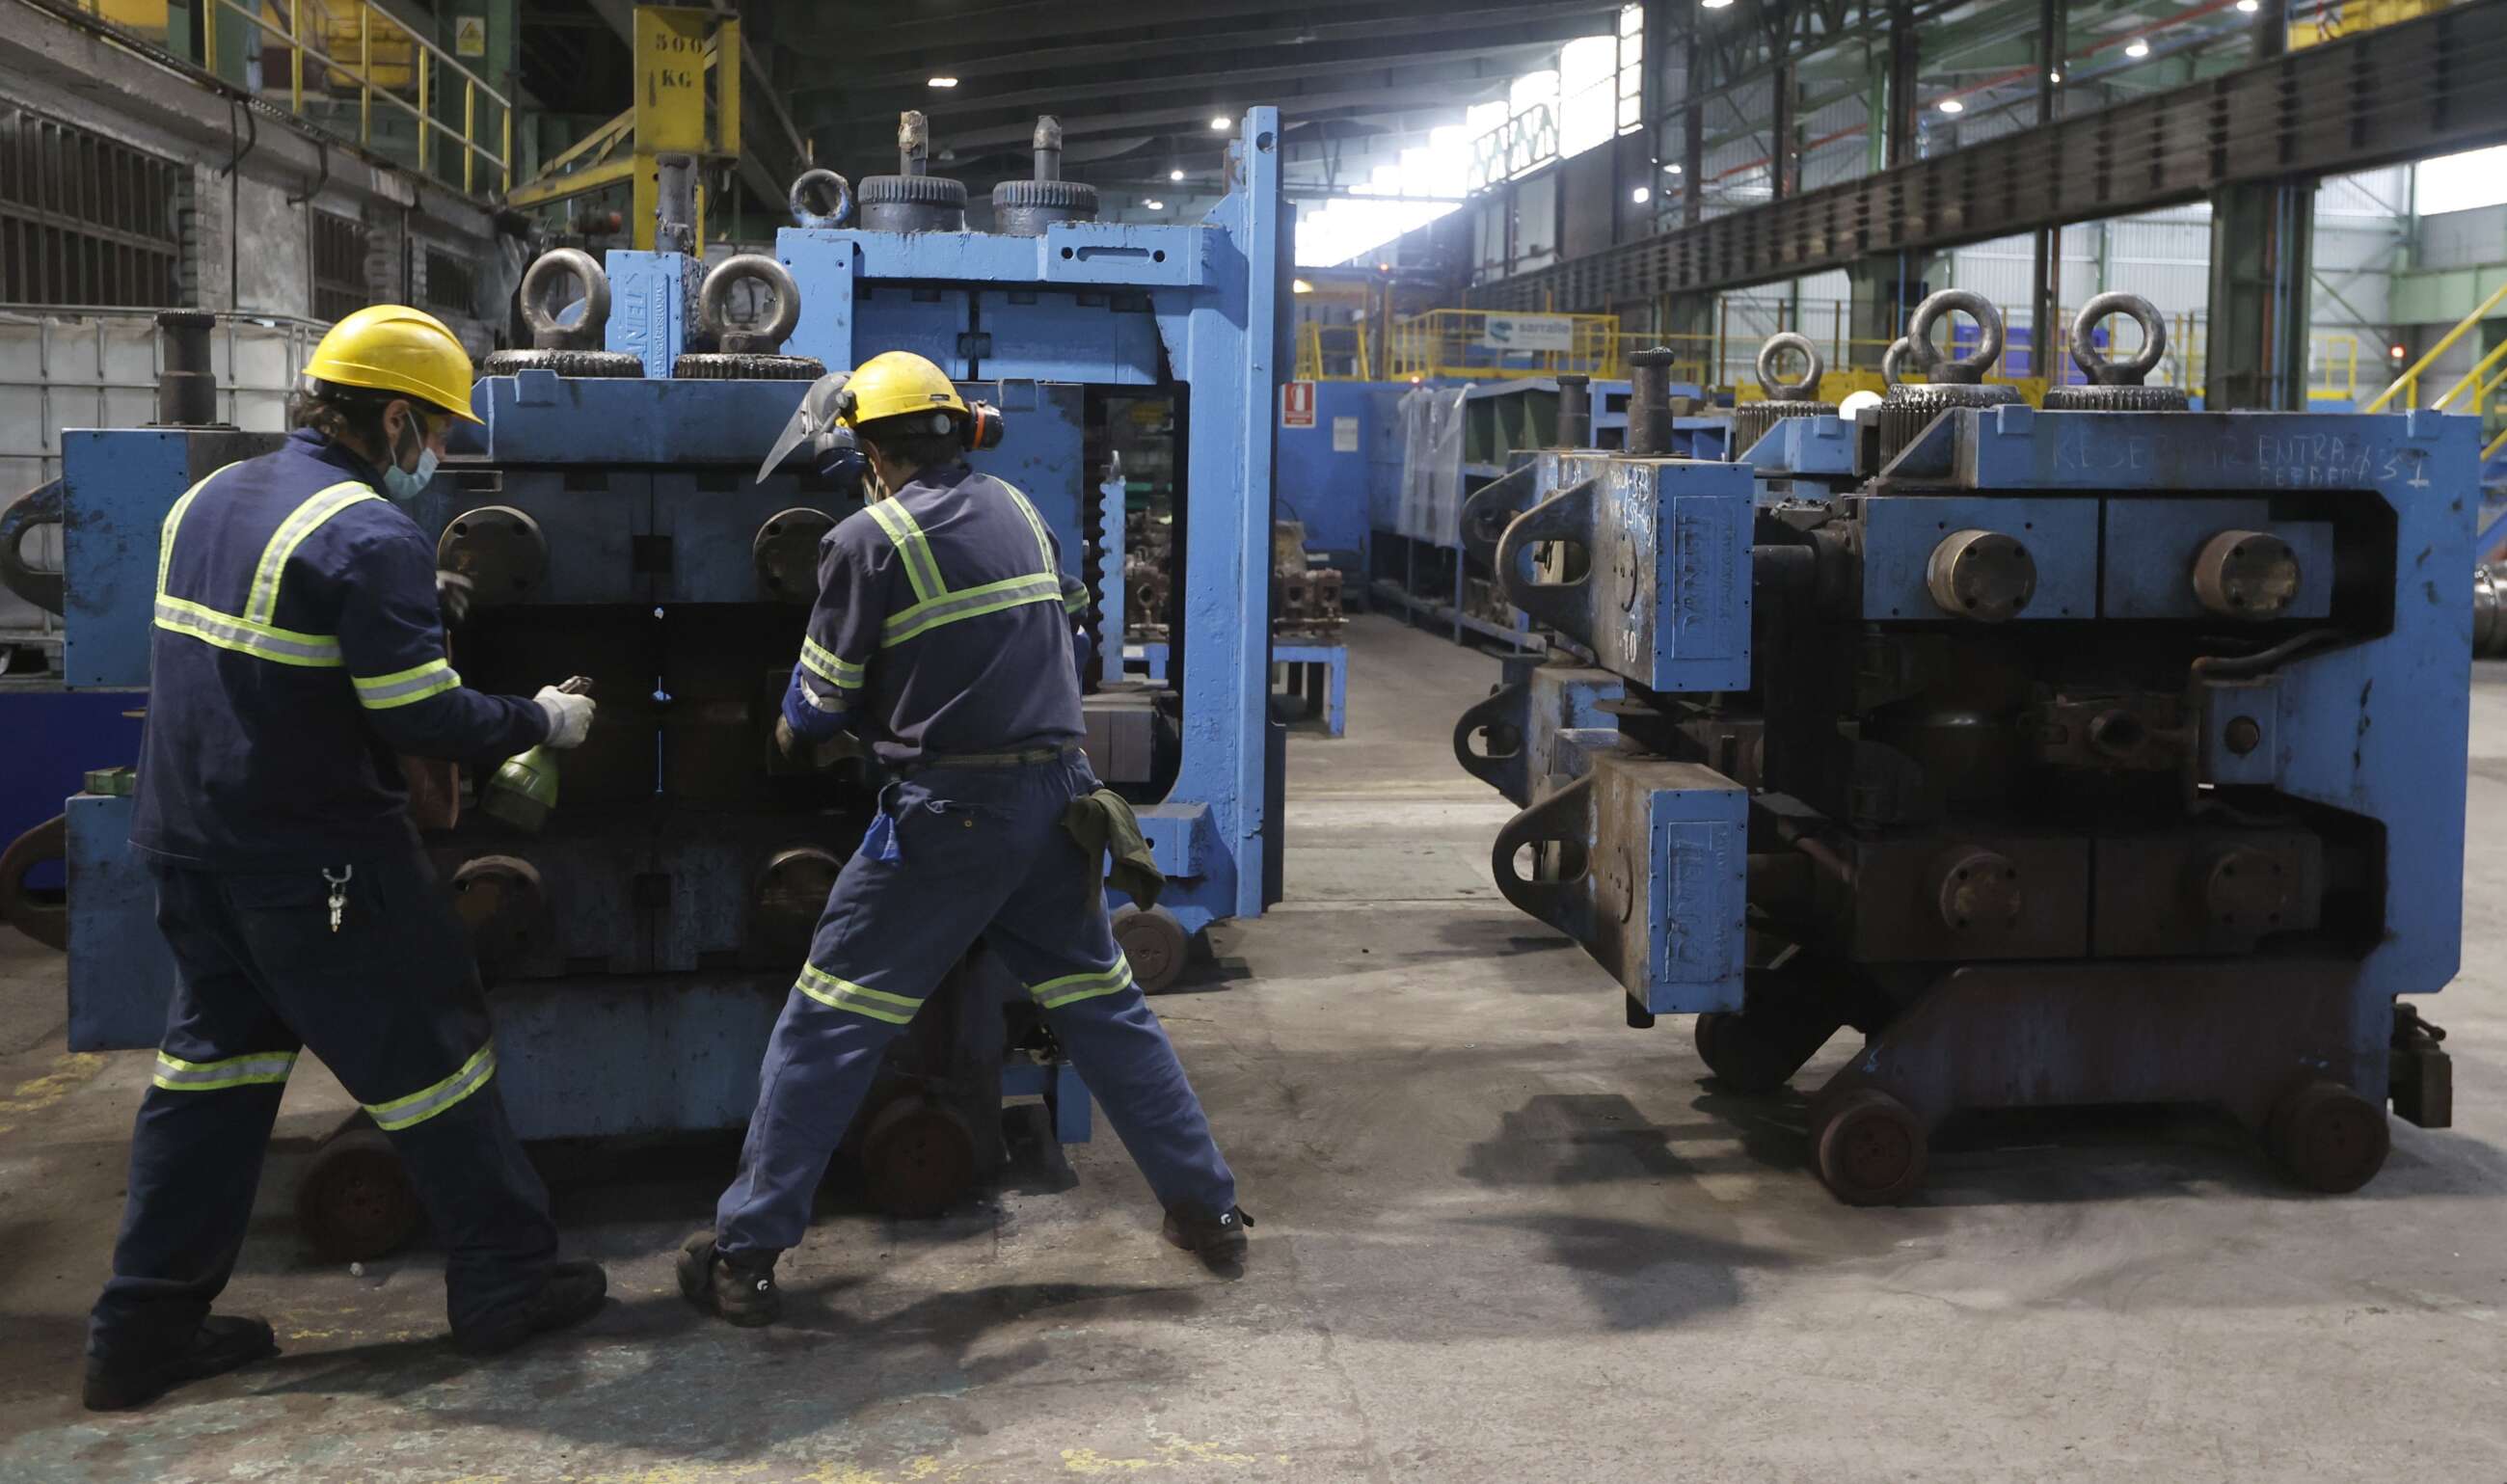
{"type": "Point", "coordinates": [381, 693]}
{"type": "Point", "coordinates": [420, 1106]}
{"type": "Point", "coordinates": [922, 568]}
{"type": "Point", "coordinates": [974, 602]}
{"type": "Point", "coordinates": [227, 631]}
{"type": "Point", "coordinates": [1035, 522]}
{"type": "Point", "coordinates": [1054, 993]}
{"type": "Point", "coordinates": [820, 702]}
{"type": "Point", "coordinates": [176, 1075]}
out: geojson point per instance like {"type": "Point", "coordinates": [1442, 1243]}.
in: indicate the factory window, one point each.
{"type": "Point", "coordinates": [451, 284]}
{"type": "Point", "coordinates": [339, 266]}
{"type": "Point", "coordinates": [83, 219]}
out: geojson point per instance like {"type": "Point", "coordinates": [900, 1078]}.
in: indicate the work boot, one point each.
{"type": "Point", "coordinates": [220, 1345]}
{"type": "Point", "coordinates": [574, 1293]}
{"type": "Point", "coordinates": [1217, 1240]}
{"type": "Point", "coordinates": [739, 1290]}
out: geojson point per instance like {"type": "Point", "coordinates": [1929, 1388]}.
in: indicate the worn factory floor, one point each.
{"type": "Point", "coordinates": [1501, 1237]}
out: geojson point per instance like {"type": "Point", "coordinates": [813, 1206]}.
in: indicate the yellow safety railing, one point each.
{"type": "Point", "coordinates": [361, 51]}
{"type": "Point", "coordinates": [2407, 384]}
{"type": "Point", "coordinates": [2333, 367]}
{"type": "Point", "coordinates": [1332, 352]}
{"type": "Point", "coordinates": [1478, 345]}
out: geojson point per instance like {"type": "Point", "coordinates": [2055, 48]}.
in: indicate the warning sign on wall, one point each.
{"type": "Point", "coordinates": [1297, 404]}
{"type": "Point", "coordinates": [469, 35]}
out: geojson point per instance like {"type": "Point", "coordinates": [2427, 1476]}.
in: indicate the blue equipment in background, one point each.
{"type": "Point", "coordinates": [2073, 757]}
{"type": "Point", "coordinates": [615, 523]}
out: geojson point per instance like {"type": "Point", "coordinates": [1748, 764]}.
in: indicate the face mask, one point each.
{"type": "Point", "coordinates": [404, 484]}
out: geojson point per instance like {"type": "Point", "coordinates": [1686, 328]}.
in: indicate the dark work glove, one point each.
{"type": "Point", "coordinates": [453, 597]}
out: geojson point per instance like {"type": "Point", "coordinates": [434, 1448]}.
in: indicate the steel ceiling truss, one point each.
{"type": "Point", "coordinates": [2401, 92]}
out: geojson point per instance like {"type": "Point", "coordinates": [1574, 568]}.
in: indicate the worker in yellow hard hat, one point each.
{"type": "Point", "coordinates": [943, 634]}
{"type": "Point", "coordinates": [297, 653]}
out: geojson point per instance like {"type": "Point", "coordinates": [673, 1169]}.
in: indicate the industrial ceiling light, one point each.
{"type": "Point", "coordinates": [1175, 174]}
{"type": "Point", "coordinates": [1300, 286]}
{"type": "Point", "coordinates": [1672, 168]}
{"type": "Point", "coordinates": [1952, 105]}
{"type": "Point", "coordinates": [1156, 206]}
{"type": "Point", "coordinates": [1640, 196]}
{"type": "Point", "coordinates": [2139, 48]}
{"type": "Point", "coordinates": [1219, 123]}
{"type": "Point", "coordinates": [1713, 5]}
{"type": "Point", "coordinates": [2053, 77]}
{"type": "Point", "coordinates": [2250, 6]}
{"type": "Point", "coordinates": [944, 82]}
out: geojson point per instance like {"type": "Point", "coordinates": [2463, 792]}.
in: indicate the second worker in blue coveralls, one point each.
{"type": "Point", "coordinates": [296, 647]}
{"type": "Point", "coordinates": [941, 632]}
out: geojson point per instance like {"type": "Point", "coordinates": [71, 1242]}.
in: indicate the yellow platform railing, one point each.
{"type": "Point", "coordinates": [1332, 352]}
{"type": "Point", "coordinates": [363, 51]}
{"type": "Point", "coordinates": [2407, 384]}
{"type": "Point", "coordinates": [1477, 345]}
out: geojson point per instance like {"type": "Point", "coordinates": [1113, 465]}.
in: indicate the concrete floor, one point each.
{"type": "Point", "coordinates": [1501, 1236]}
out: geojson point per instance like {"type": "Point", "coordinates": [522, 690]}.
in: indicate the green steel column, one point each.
{"type": "Point", "coordinates": [2262, 251]}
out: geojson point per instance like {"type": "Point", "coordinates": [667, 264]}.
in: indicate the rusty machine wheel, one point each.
{"type": "Point", "coordinates": [1155, 944]}
{"type": "Point", "coordinates": [355, 1203]}
{"type": "Point", "coordinates": [2327, 1137]}
{"type": "Point", "coordinates": [785, 553]}
{"type": "Point", "coordinates": [1743, 1056]}
{"type": "Point", "coordinates": [918, 1157]}
{"type": "Point", "coordinates": [46, 921]}
{"type": "Point", "coordinates": [1869, 1148]}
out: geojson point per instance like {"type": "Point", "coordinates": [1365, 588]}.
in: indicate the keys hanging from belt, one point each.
{"type": "Point", "coordinates": [338, 892]}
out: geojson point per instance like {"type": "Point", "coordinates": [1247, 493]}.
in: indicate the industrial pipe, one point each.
{"type": "Point", "coordinates": [1575, 410]}
{"type": "Point", "coordinates": [187, 389]}
{"type": "Point", "coordinates": [1048, 141]}
{"type": "Point", "coordinates": [1650, 403]}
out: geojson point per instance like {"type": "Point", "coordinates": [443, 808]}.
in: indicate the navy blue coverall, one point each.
{"type": "Point", "coordinates": [297, 649]}
{"type": "Point", "coordinates": [941, 631]}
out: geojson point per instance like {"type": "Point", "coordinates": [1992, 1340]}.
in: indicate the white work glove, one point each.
{"type": "Point", "coordinates": [569, 716]}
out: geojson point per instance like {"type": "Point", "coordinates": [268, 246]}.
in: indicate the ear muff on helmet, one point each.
{"type": "Point", "coordinates": [983, 426]}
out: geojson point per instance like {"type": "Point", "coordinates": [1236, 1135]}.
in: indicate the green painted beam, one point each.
{"type": "Point", "coordinates": [2442, 296]}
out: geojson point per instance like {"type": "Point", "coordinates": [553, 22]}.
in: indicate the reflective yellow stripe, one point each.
{"type": "Point", "coordinates": [1035, 522]}
{"type": "Point", "coordinates": [420, 1106]}
{"type": "Point", "coordinates": [176, 1075]}
{"type": "Point", "coordinates": [861, 999]}
{"type": "Point", "coordinates": [974, 602]}
{"type": "Point", "coordinates": [822, 661]}
{"type": "Point", "coordinates": [381, 693]}
{"type": "Point", "coordinates": [174, 519]}
{"type": "Point", "coordinates": [1054, 993]}
{"type": "Point", "coordinates": [922, 569]}
{"type": "Point", "coordinates": [283, 646]}
{"type": "Point", "coordinates": [251, 633]}
{"type": "Point", "coordinates": [1076, 600]}
{"type": "Point", "coordinates": [262, 604]}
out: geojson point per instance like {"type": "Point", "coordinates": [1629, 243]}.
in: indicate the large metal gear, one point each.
{"type": "Point", "coordinates": [913, 203]}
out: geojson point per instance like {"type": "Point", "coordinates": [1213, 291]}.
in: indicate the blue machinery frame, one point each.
{"type": "Point", "coordinates": [1194, 307]}
{"type": "Point", "coordinates": [1648, 860]}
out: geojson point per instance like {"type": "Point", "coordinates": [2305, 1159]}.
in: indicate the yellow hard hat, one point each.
{"type": "Point", "coordinates": [895, 383]}
{"type": "Point", "coordinates": [392, 347]}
